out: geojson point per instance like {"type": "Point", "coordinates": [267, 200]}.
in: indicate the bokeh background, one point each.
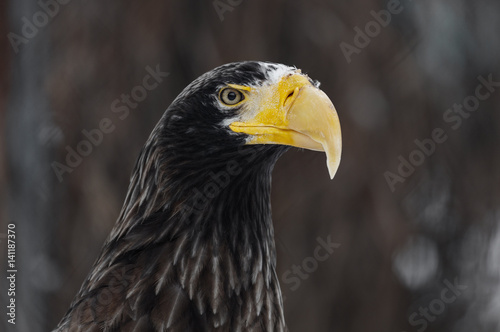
{"type": "Point", "coordinates": [399, 248]}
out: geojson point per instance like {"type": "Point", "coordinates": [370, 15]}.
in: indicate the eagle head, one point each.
{"type": "Point", "coordinates": [254, 103]}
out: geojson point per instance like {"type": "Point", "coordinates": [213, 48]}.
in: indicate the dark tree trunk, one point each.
{"type": "Point", "coordinates": [31, 135]}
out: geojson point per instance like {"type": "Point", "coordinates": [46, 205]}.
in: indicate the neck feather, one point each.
{"type": "Point", "coordinates": [205, 230]}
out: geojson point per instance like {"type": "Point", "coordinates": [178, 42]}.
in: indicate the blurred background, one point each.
{"type": "Point", "coordinates": [414, 210]}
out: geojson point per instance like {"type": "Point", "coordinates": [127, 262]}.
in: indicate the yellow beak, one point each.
{"type": "Point", "coordinates": [292, 112]}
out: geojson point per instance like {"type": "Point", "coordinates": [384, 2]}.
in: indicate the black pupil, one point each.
{"type": "Point", "coordinates": [231, 95]}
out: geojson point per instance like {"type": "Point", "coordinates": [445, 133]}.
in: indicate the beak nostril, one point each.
{"type": "Point", "coordinates": [291, 97]}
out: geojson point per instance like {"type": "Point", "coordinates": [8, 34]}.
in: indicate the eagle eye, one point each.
{"type": "Point", "coordinates": [230, 96]}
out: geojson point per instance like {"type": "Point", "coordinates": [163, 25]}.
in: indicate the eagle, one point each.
{"type": "Point", "coordinates": [193, 247]}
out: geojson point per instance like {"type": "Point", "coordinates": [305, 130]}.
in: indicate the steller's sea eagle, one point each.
{"type": "Point", "coordinates": [193, 248]}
